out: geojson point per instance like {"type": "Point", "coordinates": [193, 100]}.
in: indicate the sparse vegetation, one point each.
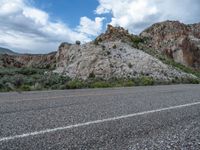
{"type": "Point", "coordinates": [78, 42]}
{"type": "Point", "coordinates": [114, 46]}
{"type": "Point", "coordinates": [130, 65]}
{"type": "Point", "coordinates": [96, 42]}
{"type": "Point", "coordinates": [108, 52]}
{"type": "Point", "coordinates": [92, 75]}
{"type": "Point", "coordinates": [75, 84]}
{"type": "Point", "coordinates": [136, 41]}
{"type": "Point", "coordinates": [171, 62]}
{"type": "Point", "coordinates": [99, 84]}
{"type": "Point", "coordinates": [27, 79]}
{"type": "Point", "coordinates": [103, 47]}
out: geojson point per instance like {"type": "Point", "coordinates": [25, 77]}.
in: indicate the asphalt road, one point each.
{"type": "Point", "coordinates": [158, 117]}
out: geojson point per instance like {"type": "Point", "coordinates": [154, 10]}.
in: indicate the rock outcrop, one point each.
{"type": "Point", "coordinates": [113, 34]}
{"type": "Point", "coordinates": [176, 40]}
{"type": "Point", "coordinates": [108, 56]}
{"type": "Point", "coordinates": [37, 61]}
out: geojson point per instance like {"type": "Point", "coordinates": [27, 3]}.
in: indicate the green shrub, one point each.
{"type": "Point", "coordinates": [27, 71]}
{"type": "Point", "coordinates": [78, 42]}
{"type": "Point", "coordinates": [75, 84]}
{"type": "Point", "coordinates": [18, 81]}
{"type": "Point", "coordinates": [25, 88]}
{"type": "Point", "coordinates": [114, 46]}
{"type": "Point", "coordinates": [136, 41]}
{"type": "Point", "coordinates": [37, 86]}
{"type": "Point", "coordinates": [190, 81]}
{"type": "Point", "coordinates": [100, 84]}
{"type": "Point", "coordinates": [130, 65]}
{"type": "Point", "coordinates": [8, 71]}
{"type": "Point", "coordinates": [92, 75]}
{"type": "Point", "coordinates": [144, 81]}
{"type": "Point", "coordinates": [103, 47]}
{"type": "Point", "coordinates": [108, 52]}
{"type": "Point", "coordinates": [128, 83]}
{"type": "Point", "coordinates": [171, 62]}
{"type": "Point", "coordinates": [55, 86]}
{"type": "Point", "coordinates": [25, 79]}
{"type": "Point", "coordinates": [96, 42]}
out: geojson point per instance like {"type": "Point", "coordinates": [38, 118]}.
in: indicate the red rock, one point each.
{"type": "Point", "coordinates": [176, 40]}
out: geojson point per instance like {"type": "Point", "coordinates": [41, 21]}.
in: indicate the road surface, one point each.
{"type": "Point", "coordinates": [158, 117]}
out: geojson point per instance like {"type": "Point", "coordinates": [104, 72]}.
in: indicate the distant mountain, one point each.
{"type": "Point", "coordinates": [7, 51]}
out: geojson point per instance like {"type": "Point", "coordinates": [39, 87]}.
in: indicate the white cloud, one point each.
{"type": "Point", "coordinates": [12, 7]}
{"type": "Point", "coordinates": [27, 29]}
{"type": "Point", "coordinates": [136, 15]}
{"type": "Point", "coordinates": [87, 26]}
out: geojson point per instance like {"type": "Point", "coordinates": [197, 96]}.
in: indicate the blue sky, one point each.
{"type": "Point", "coordinates": [69, 12]}
{"type": "Point", "coordinates": [39, 26]}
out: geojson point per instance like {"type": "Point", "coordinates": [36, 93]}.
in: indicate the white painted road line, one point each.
{"type": "Point", "coordinates": [4, 139]}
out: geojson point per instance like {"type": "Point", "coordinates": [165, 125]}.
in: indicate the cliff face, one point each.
{"type": "Point", "coordinates": [36, 61]}
{"type": "Point", "coordinates": [176, 40]}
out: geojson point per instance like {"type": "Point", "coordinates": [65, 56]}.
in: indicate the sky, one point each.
{"type": "Point", "coordinates": [39, 26]}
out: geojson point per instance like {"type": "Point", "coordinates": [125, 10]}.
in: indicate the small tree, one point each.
{"type": "Point", "coordinates": [114, 46]}
{"type": "Point", "coordinates": [96, 42]}
{"type": "Point", "coordinates": [78, 42]}
{"type": "Point", "coordinates": [92, 75]}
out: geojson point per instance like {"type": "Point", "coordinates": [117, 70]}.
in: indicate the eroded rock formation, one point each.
{"type": "Point", "coordinates": [36, 61]}
{"type": "Point", "coordinates": [176, 40]}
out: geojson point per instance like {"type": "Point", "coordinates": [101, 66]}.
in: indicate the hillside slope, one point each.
{"type": "Point", "coordinates": [112, 56]}
{"type": "Point", "coordinates": [7, 51]}
{"type": "Point", "coordinates": [45, 61]}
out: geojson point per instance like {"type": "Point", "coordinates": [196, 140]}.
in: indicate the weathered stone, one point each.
{"type": "Point", "coordinates": [92, 59]}
{"type": "Point", "coordinates": [27, 60]}
{"type": "Point", "coordinates": [178, 41]}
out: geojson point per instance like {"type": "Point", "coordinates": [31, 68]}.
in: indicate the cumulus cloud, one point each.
{"type": "Point", "coordinates": [87, 26]}
{"type": "Point", "coordinates": [28, 29]}
{"type": "Point", "coordinates": [136, 15]}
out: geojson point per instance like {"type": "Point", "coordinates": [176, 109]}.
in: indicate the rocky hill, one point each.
{"type": "Point", "coordinates": [112, 55]}
{"type": "Point", "coordinates": [117, 54]}
{"type": "Point", "coordinates": [176, 40]}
